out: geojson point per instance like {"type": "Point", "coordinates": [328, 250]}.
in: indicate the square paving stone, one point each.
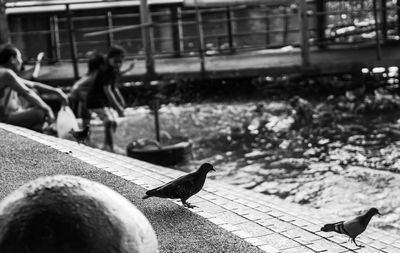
{"type": "Point", "coordinates": [279, 241]}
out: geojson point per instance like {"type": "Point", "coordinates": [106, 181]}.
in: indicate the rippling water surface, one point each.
{"type": "Point", "coordinates": [343, 160]}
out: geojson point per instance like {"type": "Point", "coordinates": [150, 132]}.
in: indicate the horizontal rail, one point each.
{"type": "Point", "coordinates": [23, 4]}
{"type": "Point", "coordinates": [118, 29]}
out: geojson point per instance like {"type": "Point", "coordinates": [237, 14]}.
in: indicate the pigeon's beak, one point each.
{"type": "Point", "coordinates": [379, 213]}
{"type": "Point", "coordinates": [213, 169]}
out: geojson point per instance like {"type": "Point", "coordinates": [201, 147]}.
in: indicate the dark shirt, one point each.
{"type": "Point", "coordinates": [96, 97]}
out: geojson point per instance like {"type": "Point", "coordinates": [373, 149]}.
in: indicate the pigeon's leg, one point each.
{"type": "Point", "coordinates": [186, 204]}
{"type": "Point", "coordinates": [354, 240]}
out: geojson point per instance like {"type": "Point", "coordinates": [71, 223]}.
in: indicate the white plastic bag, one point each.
{"type": "Point", "coordinates": [66, 121]}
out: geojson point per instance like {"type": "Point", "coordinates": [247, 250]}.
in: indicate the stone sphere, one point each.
{"type": "Point", "coordinates": [70, 214]}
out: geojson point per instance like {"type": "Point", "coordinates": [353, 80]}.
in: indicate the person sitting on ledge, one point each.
{"type": "Point", "coordinates": [13, 111]}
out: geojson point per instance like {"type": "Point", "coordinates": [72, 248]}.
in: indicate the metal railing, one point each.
{"type": "Point", "coordinates": [181, 31]}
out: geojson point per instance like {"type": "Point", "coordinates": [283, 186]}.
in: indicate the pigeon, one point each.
{"type": "Point", "coordinates": [352, 228]}
{"type": "Point", "coordinates": [183, 187]}
{"type": "Point", "coordinates": [80, 135]}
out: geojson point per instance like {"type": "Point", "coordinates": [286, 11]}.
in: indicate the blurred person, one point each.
{"type": "Point", "coordinates": [80, 88]}
{"type": "Point", "coordinates": [33, 73]}
{"type": "Point", "coordinates": [129, 68]}
{"type": "Point", "coordinates": [36, 112]}
{"type": "Point", "coordinates": [104, 96]}
{"type": "Point", "coordinates": [303, 112]}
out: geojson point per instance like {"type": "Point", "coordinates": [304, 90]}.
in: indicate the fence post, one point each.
{"type": "Point", "coordinates": [55, 37]}
{"type": "Point", "coordinates": [321, 22]}
{"type": "Point", "coordinates": [201, 39]}
{"type": "Point", "coordinates": [305, 49]}
{"type": "Point", "coordinates": [377, 37]}
{"type": "Point", "coordinates": [285, 26]}
{"type": "Point", "coordinates": [384, 20]}
{"type": "Point", "coordinates": [4, 30]}
{"type": "Point", "coordinates": [147, 39]}
{"type": "Point", "coordinates": [398, 17]}
{"type": "Point", "coordinates": [72, 42]}
{"type": "Point", "coordinates": [110, 34]}
{"type": "Point", "coordinates": [177, 33]}
{"type": "Point", "coordinates": [230, 29]}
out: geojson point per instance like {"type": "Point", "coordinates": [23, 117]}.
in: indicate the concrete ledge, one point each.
{"type": "Point", "coordinates": [263, 223]}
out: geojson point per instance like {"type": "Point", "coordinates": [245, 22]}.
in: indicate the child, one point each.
{"type": "Point", "coordinates": [80, 89]}
{"type": "Point", "coordinates": [105, 96]}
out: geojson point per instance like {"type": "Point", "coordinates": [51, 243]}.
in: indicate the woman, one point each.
{"type": "Point", "coordinates": [105, 96]}
{"type": "Point", "coordinates": [11, 86]}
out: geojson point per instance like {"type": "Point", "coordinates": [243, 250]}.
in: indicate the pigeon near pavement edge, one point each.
{"type": "Point", "coordinates": [183, 187]}
{"type": "Point", "coordinates": [352, 228]}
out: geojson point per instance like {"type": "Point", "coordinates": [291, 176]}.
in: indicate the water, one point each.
{"type": "Point", "coordinates": [340, 156]}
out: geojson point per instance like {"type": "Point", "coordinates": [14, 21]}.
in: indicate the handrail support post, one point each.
{"type": "Point", "coordinates": [305, 49]}
{"type": "Point", "coordinates": [72, 42]}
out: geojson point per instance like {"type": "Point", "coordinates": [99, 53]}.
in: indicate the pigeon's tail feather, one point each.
{"type": "Point", "coordinates": [334, 227]}
{"type": "Point", "coordinates": [152, 192]}
{"type": "Point", "coordinates": [146, 197]}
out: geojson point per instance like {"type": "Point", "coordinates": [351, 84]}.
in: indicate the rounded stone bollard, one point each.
{"type": "Point", "coordinates": [70, 214]}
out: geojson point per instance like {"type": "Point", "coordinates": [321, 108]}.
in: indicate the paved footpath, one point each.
{"type": "Point", "coordinates": [244, 220]}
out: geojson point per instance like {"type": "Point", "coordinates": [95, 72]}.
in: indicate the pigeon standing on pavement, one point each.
{"type": "Point", "coordinates": [80, 135]}
{"type": "Point", "coordinates": [353, 227]}
{"type": "Point", "coordinates": [183, 187]}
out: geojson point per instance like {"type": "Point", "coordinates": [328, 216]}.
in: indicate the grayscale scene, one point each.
{"type": "Point", "coordinates": [183, 126]}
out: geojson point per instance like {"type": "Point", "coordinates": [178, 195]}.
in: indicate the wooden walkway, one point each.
{"type": "Point", "coordinates": [248, 64]}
